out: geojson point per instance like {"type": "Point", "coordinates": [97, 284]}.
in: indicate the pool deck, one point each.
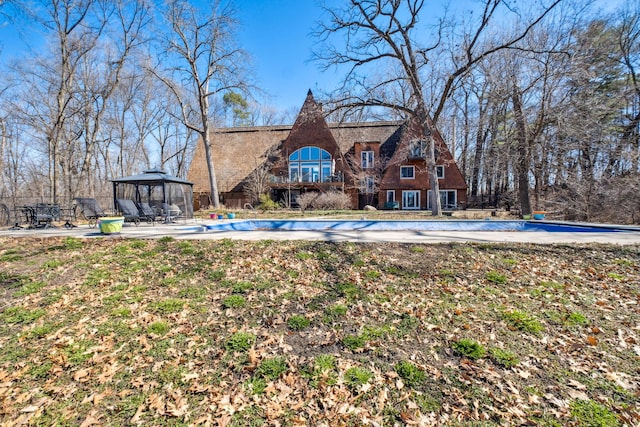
{"type": "Point", "coordinates": [197, 230]}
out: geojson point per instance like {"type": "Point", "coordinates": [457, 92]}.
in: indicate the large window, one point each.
{"type": "Point", "coordinates": [366, 159]}
{"type": "Point", "coordinates": [407, 172]}
{"type": "Point", "coordinates": [411, 199]}
{"type": "Point", "coordinates": [417, 149]}
{"type": "Point", "coordinates": [310, 164]}
{"type": "Point", "coordinates": [448, 199]}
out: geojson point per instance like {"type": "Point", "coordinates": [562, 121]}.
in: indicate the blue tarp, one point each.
{"type": "Point", "coordinates": [401, 225]}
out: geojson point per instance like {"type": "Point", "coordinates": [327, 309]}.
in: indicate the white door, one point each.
{"type": "Point", "coordinates": [410, 199]}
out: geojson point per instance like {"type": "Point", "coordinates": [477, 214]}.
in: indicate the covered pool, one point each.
{"type": "Point", "coordinates": [410, 225]}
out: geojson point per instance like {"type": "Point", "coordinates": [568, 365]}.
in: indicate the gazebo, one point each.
{"type": "Point", "coordinates": [157, 188]}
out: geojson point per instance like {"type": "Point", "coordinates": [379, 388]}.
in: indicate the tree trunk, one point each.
{"type": "Point", "coordinates": [436, 208]}
{"type": "Point", "coordinates": [523, 153]}
{"type": "Point", "coordinates": [213, 182]}
{"type": "Point", "coordinates": [3, 144]}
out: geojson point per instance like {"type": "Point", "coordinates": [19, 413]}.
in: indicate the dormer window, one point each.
{"type": "Point", "coordinates": [417, 149]}
{"type": "Point", "coordinates": [366, 159]}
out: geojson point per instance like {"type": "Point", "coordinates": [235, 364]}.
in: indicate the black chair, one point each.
{"type": "Point", "coordinates": [129, 210]}
{"type": "Point", "coordinates": [89, 209]}
{"type": "Point", "coordinates": [147, 212]}
{"type": "Point", "coordinates": [41, 215]}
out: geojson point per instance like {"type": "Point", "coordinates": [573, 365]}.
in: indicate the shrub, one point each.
{"type": "Point", "coordinates": [240, 341]}
{"type": "Point", "coordinates": [410, 373]}
{"type": "Point", "coordinates": [267, 204]}
{"type": "Point", "coordinates": [332, 200]}
{"type": "Point", "coordinates": [357, 376]}
{"type": "Point", "coordinates": [270, 369]}
{"type": "Point", "coordinates": [306, 200]}
{"type": "Point", "coordinates": [504, 357]}
{"type": "Point", "coordinates": [298, 322]}
{"type": "Point", "coordinates": [469, 348]}
{"type": "Point", "coordinates": [592, 414]}
{"type": "Point", "coordinates": [523, 321]}
{"type": "Point", "coordinates": [233, 301]}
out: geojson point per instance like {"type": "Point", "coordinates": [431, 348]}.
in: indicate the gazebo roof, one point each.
{"type": "Point", "coordinates": [151, 176]}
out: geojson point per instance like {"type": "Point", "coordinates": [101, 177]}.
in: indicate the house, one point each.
{"type": "Point", "coordinates": [376, 163]}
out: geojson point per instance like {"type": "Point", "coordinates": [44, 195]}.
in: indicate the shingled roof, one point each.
{"type": "Point", "coordinates": [238, 151]}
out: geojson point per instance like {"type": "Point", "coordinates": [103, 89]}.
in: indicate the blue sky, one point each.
{"type": "Point", "coordinates": [276, 33]}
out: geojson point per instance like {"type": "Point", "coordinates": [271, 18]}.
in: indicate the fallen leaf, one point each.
{"type": "Point", "coordinates": [90, 420]}
{"type": "Point", "coordinates": [577, 394]}
{"type": "Point", "coordinates": [576, 384]}
{"type": "Point", "coordinates": [81, 375]}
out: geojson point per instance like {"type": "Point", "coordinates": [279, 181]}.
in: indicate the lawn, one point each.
{"type": "Point", "coordinates": [164, 332]}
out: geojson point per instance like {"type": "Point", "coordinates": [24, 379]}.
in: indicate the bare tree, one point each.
{"type": "Point", "coordinates": [383, 34]}
{"type": "Point", "coordinates": [65, 91]}
{"type": "Point", "coordinates": [205, 64]}
{"type": "Point", "coordinates": [366, 179]}
{"type": "Point", "coordinates": [258, 183]}
{"type": "Point", "coordinates": [75, 35]}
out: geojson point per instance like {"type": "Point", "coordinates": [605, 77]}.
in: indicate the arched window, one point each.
{"type": "Point", "coordinates": [310, 164]}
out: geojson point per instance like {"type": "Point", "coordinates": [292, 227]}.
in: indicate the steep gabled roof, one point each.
{"type": "Point", "coordinates": [238, 151]}
{"type": "Point", "coordinates": [310, 128]}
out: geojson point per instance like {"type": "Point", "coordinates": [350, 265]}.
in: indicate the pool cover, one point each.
{"type": "Point", "coordinates": [402, 225]}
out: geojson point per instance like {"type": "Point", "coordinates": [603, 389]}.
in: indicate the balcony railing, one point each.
{"type": "Point", "coordinates": [285, 180]}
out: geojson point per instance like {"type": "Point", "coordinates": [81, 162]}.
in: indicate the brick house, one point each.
{"type": "Point", "coordinates": [375, 163]}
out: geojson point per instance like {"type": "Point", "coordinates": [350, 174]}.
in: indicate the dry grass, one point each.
{"type": "Point", "coordinates": [163, 332]}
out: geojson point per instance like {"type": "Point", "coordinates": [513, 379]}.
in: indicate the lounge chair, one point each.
{"type": "Point", "coordinates": [129, 210]}
{"type": "Point", "coordinates": [89, 209]}
{"type": "Point", "coordinates": [147, 212]}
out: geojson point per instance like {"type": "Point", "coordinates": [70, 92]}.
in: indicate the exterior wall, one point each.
{"type": "Point", "coordinates": [392, 180]}
{"type": "Point", "coordinates": [233, 200]}
{"type": "Point", "coordinates": [238, 152]}
{"type": "Point", "coordinates": [361, 174]}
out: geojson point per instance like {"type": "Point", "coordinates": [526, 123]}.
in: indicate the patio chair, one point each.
{"type": "Point", "coordinates": [41, 215]}
{"type": "Point", "coordinates": [89, 209]}
{"type": "Point", "coordinates": [129, 210]}
{"type": "Point", "coordinates": [147, 212]}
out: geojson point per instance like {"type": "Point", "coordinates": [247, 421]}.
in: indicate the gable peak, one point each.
{"type": "Point", "coordinates": [311, 110]}
{"type": "Point", "coordinates": [310, 103]}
